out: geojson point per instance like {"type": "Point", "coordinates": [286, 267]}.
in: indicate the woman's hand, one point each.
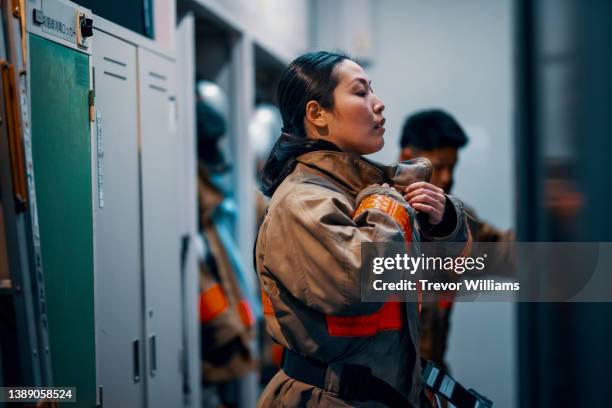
{"type": "Point", "coordinates": [426, 198]}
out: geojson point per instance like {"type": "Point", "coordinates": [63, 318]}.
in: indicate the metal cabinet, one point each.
{"type": "Point", "coordinates": [161, 238]}
{"type": "Point", "coordinates": [139, 314]}
{"type": "Point", "coordinates": [118, 266]}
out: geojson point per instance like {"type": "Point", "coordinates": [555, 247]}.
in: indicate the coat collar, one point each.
{"type": "Point", "coordinates": [355, 173]}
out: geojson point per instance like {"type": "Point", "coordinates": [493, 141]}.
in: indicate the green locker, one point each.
{"type": "Point", "coordinates": [61, 152]}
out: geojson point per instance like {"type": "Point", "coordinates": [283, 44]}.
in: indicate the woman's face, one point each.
{"type": "Point", "coordinates": [355, 124]}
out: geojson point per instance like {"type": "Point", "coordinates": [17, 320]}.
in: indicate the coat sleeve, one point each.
{"type": "Point", "coordinates": [313, 248]}
{"type": "Point", "coordinates": [454, 228]}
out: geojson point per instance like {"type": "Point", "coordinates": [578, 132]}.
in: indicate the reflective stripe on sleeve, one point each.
{"type": "Point", "coordinates": [389, 206]}
{"type": "Point", "coordinates": [245, 312]}
{"type": "Point", "coordinates": [267, 304]}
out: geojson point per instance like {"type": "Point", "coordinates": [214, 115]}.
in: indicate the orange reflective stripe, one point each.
{"type": "Point", "coordinates": [246, 315]}
{"type": "Point", "coordinates": [389, 206]}
{"type": "Point", "coordinates": [388, 317]}
{"type": "Point", "coordinates": [277, 354]}
{"type": "Point", "coordinates": [266, 303]}
{"type": "Point", "coordinates": [212, 302]}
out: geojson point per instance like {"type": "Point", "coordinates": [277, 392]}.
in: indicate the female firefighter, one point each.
{"type": "Point", "coordinates": [326, 200]}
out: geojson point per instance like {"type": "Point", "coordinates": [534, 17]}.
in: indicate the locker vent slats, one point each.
{"type": "Point", "coordinates": [115, 75]}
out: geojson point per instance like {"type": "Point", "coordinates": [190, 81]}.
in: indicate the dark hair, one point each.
{"type": "Point", "coordinates": [432, 129]}
{"type": "Point", "coordinates": [310, 77]}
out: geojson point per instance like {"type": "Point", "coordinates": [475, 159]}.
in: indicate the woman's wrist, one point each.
{"type": "Point", "coordinates": [444, 227]}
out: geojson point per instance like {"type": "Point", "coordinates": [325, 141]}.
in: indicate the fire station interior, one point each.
{"type": "Point", "coordinates": [132, 140]}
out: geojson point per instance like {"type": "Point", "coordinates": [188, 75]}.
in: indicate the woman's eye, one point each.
{"type": "Point", "coordinates": [362, 93]}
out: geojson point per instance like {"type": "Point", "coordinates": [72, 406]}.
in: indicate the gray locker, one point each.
{"type": "Point", "coordinates": [139, 320]}
{"type": "Point", "coordinates": [118, 263]}
{"type": "Point", "coordinates": [185, 57]}
{"type": "Point", "coordinates": [161, 237]}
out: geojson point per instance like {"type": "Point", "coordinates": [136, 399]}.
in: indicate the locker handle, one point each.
{"type": "Point", "coordinates": [136, 359]}
{"type": "Point", "coordinates": [152, 345]}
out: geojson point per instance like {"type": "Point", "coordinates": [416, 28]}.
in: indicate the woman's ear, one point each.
{"type": "Point", "coordinates": [316, 116]}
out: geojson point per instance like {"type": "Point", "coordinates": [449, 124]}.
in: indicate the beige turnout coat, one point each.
{"type": "Point", "coordinates": [308, 257]}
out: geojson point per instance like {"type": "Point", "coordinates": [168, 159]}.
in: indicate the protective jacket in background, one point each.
{"type": "Point", "coordinates": [226, 316]}
{"type": "Point", "coordinates": [435, 316]}
{"type": "Point", "coordinates": [308, 257]}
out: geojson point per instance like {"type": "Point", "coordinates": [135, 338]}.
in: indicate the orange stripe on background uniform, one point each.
{"type": "Point", "coordinates": [212, 303]}
{"type": "Point", "coordinates": [245, 312]}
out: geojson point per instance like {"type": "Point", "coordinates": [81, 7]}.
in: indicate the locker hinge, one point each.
{"type": "Point", "coordinates": [92, 105]}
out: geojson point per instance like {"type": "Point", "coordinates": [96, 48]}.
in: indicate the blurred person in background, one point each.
{"type": "Point", "coordinates": [226, 314]}
{"type": "Point", "coordinates": [264, 128]}
{"type": "Point", "coordinates": [326, 200]}
{"type": "Point", "coordinates": [436, 135]}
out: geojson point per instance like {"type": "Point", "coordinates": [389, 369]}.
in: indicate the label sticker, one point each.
{"type": "Point", "coordinates": [59, 20]}
{"type": "Point", "coordinates": [100, 158]}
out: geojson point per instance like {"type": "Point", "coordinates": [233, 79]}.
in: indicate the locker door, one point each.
{"type": "Point", "coordinates": [185, 41]}
{"type": "Point", "coordinates": [117, 219]}
{"type": "Point", "coordinates": [59, 89]}
{"type": "Point", "coordinates": [161, 240]}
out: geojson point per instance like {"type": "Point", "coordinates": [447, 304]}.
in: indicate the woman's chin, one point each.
{"type": "Point", "coordinates": [367, 146]}
{"type": "Point", "coordinates": [377, 146]}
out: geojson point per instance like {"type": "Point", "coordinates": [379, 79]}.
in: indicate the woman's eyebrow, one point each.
{"type": "Point", "coordinates": [365, 82]}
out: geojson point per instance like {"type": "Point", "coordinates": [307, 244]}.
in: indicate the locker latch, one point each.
{"type": "Point", "coordinates": [84, 30]}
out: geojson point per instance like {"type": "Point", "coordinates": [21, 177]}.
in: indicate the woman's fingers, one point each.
{"type": "Point", "coordinates": [425, 192]}
{"type": "Point", "coordinates": [427, 199]}
{"type": "Point", "coordinates": [435, 216]}
{"type": "Point", "coordinates": [416, 189]}
{"type": "Point", "coordinates": [425, 185]}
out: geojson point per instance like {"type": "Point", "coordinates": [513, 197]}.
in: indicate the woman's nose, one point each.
{"type": "Point", "coordinates": [379, 105]}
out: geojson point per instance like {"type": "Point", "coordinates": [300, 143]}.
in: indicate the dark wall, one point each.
{"type": "Point", "coordinates": [136, 15]}
{"type": "Point", "coordinates": [564, 92]}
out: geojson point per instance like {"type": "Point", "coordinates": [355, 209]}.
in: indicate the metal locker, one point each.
{"type": "Point", "coordinates": [118, 268]}
{"type": "Point", "coordinates": [185, 56]}
{"type": "Point", "coordinates": [161, 237]}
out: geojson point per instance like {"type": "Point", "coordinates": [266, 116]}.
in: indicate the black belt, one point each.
{"type": "Point", "coordinates": [356, 381]}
